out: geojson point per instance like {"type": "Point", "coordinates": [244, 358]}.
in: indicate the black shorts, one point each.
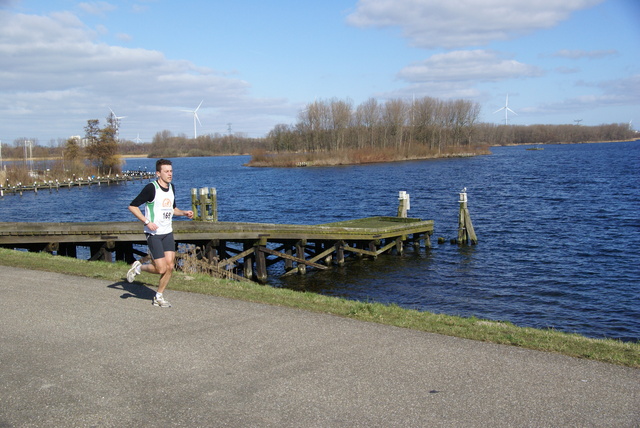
{"type": "Point", "coordinates": [159, 244]}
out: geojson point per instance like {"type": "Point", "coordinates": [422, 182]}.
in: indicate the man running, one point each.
{"type": "Point", "coordinates": [160, 207]}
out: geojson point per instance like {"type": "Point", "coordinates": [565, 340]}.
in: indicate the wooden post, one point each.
{"type": "Point", "coordinates": [203, 198]}
{"type": "Point", "coordinates": [211, 249]}
{"type": "Point", "coordinates": [288, 264]}
{"type": "Point", "coordinates": [248, 261]}
{"type": "Point", "coordinates": [404, 204]}
{"type": "Point", "coordinates": [339, 253]}
{"type": "Point", "coordinates": [194, 204]}
{"type": "Point", "coordinates": [400, 245]}
{"type": "Point", "coordinates": [466, 233]}
{"type": "Point", "coordinates": [261, 265]}
{"type": "Point", "coordinates": [213, 195]}
{"type": "Point", "coordinates": [207, 200]}
{"type": "Point", "coordinates": [373, 247]}
{"type": "Point", "coordinates": [302, 268]}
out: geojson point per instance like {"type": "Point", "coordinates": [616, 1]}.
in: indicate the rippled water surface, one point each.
{"type": "Point", "coordinates": [559, 228]}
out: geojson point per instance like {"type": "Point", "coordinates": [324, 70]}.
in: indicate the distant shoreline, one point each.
{"type": "Point", "coordinates": [493, 145]}
{"type": "Point", "coordinates": [568, 142]}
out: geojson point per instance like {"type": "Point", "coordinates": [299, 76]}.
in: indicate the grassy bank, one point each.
{"type": "Point", "coordinates": [260, 158]}
{"type": "Point", "coordinates": [609, 351]}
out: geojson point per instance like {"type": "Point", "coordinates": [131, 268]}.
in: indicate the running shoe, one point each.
{"type": "Point", "coordinates": [160, 301]}
{"type": "Point", "coordinates": [135, 270]}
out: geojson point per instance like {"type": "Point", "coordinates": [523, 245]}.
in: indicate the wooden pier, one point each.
{"type": "Point", "coordinates": [237, 250]}
{"type": "Point", "coordinates": [51, 185]}
{"type": "Point", "coordinates": [246, 249]}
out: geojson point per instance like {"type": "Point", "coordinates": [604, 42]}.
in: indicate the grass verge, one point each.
{"type": "Point", "coordinates": [549, 340]}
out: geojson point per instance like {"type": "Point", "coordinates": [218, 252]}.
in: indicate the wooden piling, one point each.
{"type": "Point", "coordinates": [466, 233]}
{"type": "Point", "coordinates": [339, 246]}
{"type": "Point", "coordinates": [261, 264]}
{"type": "Point", "coordinates": [404, 204]}
{"type": "Point", "coordinates": [302, 268]}
{"type": "Point", "coordinates": [204, 204]}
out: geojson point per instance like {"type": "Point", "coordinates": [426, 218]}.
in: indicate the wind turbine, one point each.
{"type": "Point", "coordinates": [116, 122]}
{"type": "Point", "coordinates": [195, 117]}
{"type": "Point", "coordinates": [506, 111]}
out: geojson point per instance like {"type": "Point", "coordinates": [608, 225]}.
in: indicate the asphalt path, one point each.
{"type": "Point", "coordinates": [78, 352]}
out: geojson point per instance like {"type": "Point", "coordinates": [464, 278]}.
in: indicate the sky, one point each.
{"type": "Point", "coordinates": [253, 64]}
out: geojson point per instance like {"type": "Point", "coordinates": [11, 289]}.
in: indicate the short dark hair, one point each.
{"type": "Point", "coordinates": [161, 162]}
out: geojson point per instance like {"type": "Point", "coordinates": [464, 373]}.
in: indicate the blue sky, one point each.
{"type": "Point", "coordinates": [255, 64]}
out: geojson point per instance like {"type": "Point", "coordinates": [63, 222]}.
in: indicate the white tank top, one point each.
{"type": "Point", "coordinates": [160, 210]}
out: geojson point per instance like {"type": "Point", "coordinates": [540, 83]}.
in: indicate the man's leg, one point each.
{"type": "Point", "coordinates": [163, 267]}
{"type": "Point", "coordinates": [168, 266]}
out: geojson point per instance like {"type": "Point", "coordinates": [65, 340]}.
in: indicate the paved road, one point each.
{"type": "Point", "coordinates": [88, 352]}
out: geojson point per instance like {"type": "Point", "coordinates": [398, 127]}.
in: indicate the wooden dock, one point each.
{"type": "Point", "coordinates": [51, 185]}
{"type": "Point", "coordinates": [242, 250]}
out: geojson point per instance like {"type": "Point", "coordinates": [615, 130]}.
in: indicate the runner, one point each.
{"type": "Point", "coordinates": [160, 207]}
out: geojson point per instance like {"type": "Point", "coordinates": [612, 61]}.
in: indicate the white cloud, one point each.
{"type": "Point", "coordinates": [124, 37]}
{"type": "Point", "coordinates": [625, 90]}
{"type": "Point", "coordinates": [467, 66]}
{"type": "Point", "coordinates": [462, 23]}
{"type": "Point", "coordinates": [99, 8]}
{"type": "Point", "coordinates": [578, 54]}
{"type": "Point", "coordinates": [618, 92]}
{"type": "Point", "coordinates": [53, 71]}
{"type": "Point", "coordinates": [442, 90]}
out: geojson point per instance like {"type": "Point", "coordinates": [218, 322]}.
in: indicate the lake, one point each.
{"type": "Point", "coordinates": [558, 229]}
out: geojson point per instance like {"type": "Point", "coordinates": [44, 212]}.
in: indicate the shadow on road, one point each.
{"type": "Point", "coordinates": [135, 289]}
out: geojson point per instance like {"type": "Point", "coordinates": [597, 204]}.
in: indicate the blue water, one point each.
{"type": "Point", "coordinates": [558, 229]}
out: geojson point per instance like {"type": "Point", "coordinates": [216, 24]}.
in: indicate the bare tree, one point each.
{"type": "Point", "coordinates": [340, 121]}
{"type": "Point", "coordinates": [394, 119]}
{"type": "Point", "coordinates": [368, 116]}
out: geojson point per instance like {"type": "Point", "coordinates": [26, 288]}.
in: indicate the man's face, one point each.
{"type": "Point", "coordinates": [166, 173]}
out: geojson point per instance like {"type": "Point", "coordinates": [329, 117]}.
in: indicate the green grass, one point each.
{"type": "Point", "coordinates": [549, 340]}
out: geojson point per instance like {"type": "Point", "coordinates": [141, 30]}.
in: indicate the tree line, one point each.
{"type": "Point", "coordinates": [336, 125]}
{"type": "Point", "coordinates": [501, 135]}
{"type": "Point", "coordinates": [425, 124]}
{"type": "Point", "coordinates": [423, 127]}
{"type": "Point", "coordinates": [165, 144]}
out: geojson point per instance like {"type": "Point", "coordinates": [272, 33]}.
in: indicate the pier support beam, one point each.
{"type": "Point", "coordinates": [248, 260]}
{"type": "Point", "coordinates": [339, 253]}
{"type": "Point", "coordinates": [302, 268]}
{"type": "Point", "coordinates": [261, 264]}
